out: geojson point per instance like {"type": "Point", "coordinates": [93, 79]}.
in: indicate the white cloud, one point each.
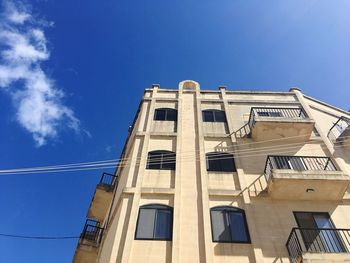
{"type": "Point", "coordinates": [16, 13]}
{"type": "Point", "coordinates": [38, 101]}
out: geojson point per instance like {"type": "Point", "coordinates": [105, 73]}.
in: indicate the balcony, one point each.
{"type": "Point", "coordinates": [304, 178]}
{"type": "Point", "coordinates": [103, 196]}
{"type": "Point", "coordinates": [89, 241]}
{"type": "Point", "coordinates": [318, 245]}
{"type": "Point", "coordinates": [278, 123]}
{"type": "Point", "coordinates": [339, 134]}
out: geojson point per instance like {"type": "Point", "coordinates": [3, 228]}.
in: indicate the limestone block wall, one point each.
{"type": "Point", "coordinates": [191, 190]}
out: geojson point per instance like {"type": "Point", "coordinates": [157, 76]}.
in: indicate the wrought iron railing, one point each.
{"type": "Point", "coordinates": [108, 181]}
{"type": "Point", "coordinates": [299, 163]}
{"type": "Point", "coordinates": [340, 130]}
{"type": "Point", "coordinates": [92, 231]}
{"type": "Point", "coordinates": [317, 240]}
{"type": "Point", "coordinates": [288, 113]}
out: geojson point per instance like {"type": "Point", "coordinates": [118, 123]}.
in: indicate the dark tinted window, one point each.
{"type": "Point", "coordinates": [270, 114]}
{"type": "Point", "coordinates": [165, 114]}
{"type": "Point", "coordinates": [229, 225]}
{"type": "Point", "coordinates": [213, 116]}
{"type": "Point", "coordinates": [217, 161]}
{"type": "Point", "coordinates": [161, 160]}
{"type": "Point", "coordinates": [154, 222]}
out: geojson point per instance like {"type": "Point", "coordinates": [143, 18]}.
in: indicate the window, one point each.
{"type": "Point", "coordinates": [290, 162]}
{"type": "Point", "coordinates": [165, 114]}
{"type": "Point", "coordinates": [214, 116]}
{"type": "Point", "coordinates": [270, 114]}
{"type": "Point", "coordinates": [155, 222]}
{"type": "Point", "coordinates": [161, 160]}
{"type": "Point", "coordinates": [221, 162]}
{"type": "Point", "coordinates": [229, 224]}
{"type": "Point", "coordinates": [317, 232]}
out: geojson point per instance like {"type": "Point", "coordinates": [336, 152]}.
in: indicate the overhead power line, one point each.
{"type": "Point", "coordinates": [253, 153]}
{"type": "Point", "coordinates": [112, 163]}
{"type": "Point", "coordinates": [39, 237]}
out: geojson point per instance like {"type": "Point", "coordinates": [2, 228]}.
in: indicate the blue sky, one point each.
{"type": "Point", "coordinates": [95, 58]}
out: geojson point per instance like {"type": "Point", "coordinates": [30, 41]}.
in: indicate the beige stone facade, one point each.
{"type": "Point", "coordinates": [262, 129]}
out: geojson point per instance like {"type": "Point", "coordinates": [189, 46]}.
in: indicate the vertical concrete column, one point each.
{"type": "Point", "coordinates": [177, 195]}
{"type": "Point", "coordinates": [254, 236]}
{"type": "Point", "coordinates": [137, 194]}
{"type": "Point", "coordinates": [203, 176]}
{"type": "Point", "coordinates": [329, 145]}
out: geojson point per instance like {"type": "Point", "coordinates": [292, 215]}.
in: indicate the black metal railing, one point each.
{"type": "Point", "coordinates": [340, 130]}
{"type": "Point", "coordinates": [317, 240]}
{"type": "Point", "coordinates": [108, 181]}
{"type": "Point", "coordinates": [299, 163]}
{"type": "Point", "coordinates": [288, 113]}
{"type": "Point", "coordinates": [92, 231]}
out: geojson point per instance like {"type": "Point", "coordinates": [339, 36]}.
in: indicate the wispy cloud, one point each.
{"type": "Point", "coordinates": [38, 101]}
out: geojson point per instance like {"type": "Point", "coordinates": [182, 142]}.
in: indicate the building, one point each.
{"type": "Point", "coordinates": [225, 176]}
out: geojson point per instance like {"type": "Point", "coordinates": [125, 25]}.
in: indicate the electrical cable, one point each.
{"type": "Point", "coordinates": [39, 237]}
{"type": "Point", "coordinates": [171, 160]}
{"type": "Point", "coordinates": [111, 163]}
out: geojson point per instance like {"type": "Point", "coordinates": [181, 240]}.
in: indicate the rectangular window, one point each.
{"type": "Point", "coordinates": [154, 223]}
{"type": "Point", "coordinates": [269, 114]}
{"type": "Point", "coordinates": [229, 225]}
{"type": "Point", "coordinates": [221, 162]}
{"type": "Point", "coordinates": [208, 116]}
{"type": "Point", "coordinates": [317, 234]}
{"type": "Point", "coordinates": [159, 115]}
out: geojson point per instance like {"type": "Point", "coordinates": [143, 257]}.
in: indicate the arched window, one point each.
{"type": "Point", "coordinates": [229, 224]}
{"type": "Point", "coordinates": [161, 160]}
{"type": "Point", "coordinates": [214, 116]}
{"type": "Point", "coordinates": [165, 114]}
{"type": "Point", "coordinates": [155, 222]}
{"type": "Point", "coordinates": [221, 162]}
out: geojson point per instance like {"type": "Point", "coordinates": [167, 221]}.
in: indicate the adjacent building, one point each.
{"type": "Point", "coordinates": [225, 176]}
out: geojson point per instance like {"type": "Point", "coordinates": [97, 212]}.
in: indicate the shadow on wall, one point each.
{"type": "Point", "coordinates": [254, 155]}
{"type": "Point", "coordinates": [273, 222]}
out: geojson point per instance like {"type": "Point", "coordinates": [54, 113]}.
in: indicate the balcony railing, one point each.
{"type": "Point", "coordinates": [298, 163]}
{"type": "Point", "coordinates": [340, 131]}
{"type": "Point", "coordinates": [108, 181]}
{"type": "Point", "coordinates": [317, 240]}
{"type": "Point", "coordinates": [92, 231]}
{"type": "Point", "coordinates": [287, 113]}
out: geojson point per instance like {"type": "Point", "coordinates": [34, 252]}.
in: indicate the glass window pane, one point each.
{"type": "Point", "coordinates": [275, 114]}
{"type": "Point", "coordinates": [171, 115]}
{"type": "Point", "coordinates": [227, 163]}
{"type": "Point", "coordinates": [168, 161]}
{"type": "Point", "coordinates": [282, 162]}
{"type": "Point", "coordinates": [238, 227]}
{"type": "Point", "coordinates": [163, 224]}
{"type": "Point", "coordinates": [154, 160]}
{"type": "Point", "coordinates": [297, 163]}
{"type": "Point", "coordinates": [159, 115]}
{"type": "Point", "coordinates": [145, 224]}
{"type": "Point", "coordinates": [208, 116]}
{"type": "Point", "coordinates": [263, 114]}
{"type": "Point", "coordinates": [220, 116]}
{"type": "Point", "coordinates": [220, 227]}
{"type": "Point", "coordinates": [213, 162]}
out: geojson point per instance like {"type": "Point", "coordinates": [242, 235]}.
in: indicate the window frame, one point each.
{"type": "Point", "coordinates": [156, 207]}
{"type": "Point", "coordinates": [161, 164]}
{"type": "Point", "coordinates": [214, 113]}
{"type": "Point", "coordinates": [166, 114]}
{"type": "Point", "coordinates": [220, 161]}
{"type": "Point", "coordinates": [227, 210]}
